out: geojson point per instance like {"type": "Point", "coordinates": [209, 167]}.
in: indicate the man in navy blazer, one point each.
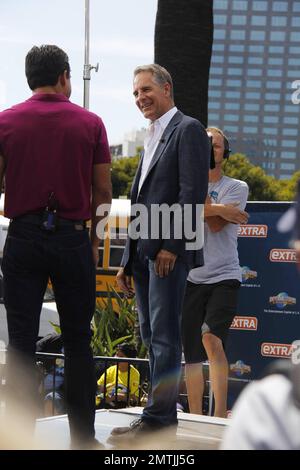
{"type": "Point", "coordinates": [173, 172]}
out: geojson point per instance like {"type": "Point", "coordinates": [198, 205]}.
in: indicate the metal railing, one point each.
{"type": "Point", "coordinates": [51, 384]}
{"type": "Point", "coordinates": [50, 366]}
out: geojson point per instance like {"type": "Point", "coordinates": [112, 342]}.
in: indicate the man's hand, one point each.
{"type": "Point", "coordinates": [233, 214]}
{"type": "Point", "coordinates": [125, 283]}
{"type": "Point", "coordinates": [164, 263]}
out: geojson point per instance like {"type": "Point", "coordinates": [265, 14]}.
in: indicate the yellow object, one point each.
{"type": "Point", "coordinates": [111, 374]}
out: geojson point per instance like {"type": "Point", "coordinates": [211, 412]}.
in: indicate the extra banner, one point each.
{"type": "Point", "coordinates": [268, 316]}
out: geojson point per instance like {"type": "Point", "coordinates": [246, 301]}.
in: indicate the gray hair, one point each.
{"type": "Point", "coordinates": [160, 75]}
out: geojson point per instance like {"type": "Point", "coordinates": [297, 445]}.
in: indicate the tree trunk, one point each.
{"type": "Point", "coordinates": [183, 45]}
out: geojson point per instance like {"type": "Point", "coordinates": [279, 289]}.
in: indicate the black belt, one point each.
{"type": "Point", "coordinates": [36, 219]}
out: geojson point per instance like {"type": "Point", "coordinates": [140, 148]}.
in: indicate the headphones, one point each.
{"type": "Point", "coordinates": [226, 154]}
{"type": "Point", "coordinates": [227, 149]}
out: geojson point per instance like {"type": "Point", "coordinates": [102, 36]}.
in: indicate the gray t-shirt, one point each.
{"type": "Point", "coordinates": [221, 259]}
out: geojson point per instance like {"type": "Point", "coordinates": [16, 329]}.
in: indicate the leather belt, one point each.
{"type": "Point", "coordinates": [36, 219]}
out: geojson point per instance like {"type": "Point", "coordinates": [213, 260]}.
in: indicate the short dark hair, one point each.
{"type": "Point", "coordinates": [128, 349]}
{"type": "Point", "coordinates": [44, 64]}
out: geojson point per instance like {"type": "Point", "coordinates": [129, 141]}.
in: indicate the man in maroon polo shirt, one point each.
{"type": "Point", "coordinates": [56, 161]}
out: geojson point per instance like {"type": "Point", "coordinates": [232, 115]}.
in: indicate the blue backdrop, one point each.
{"type": "Point", "coordinates": [268, 317]}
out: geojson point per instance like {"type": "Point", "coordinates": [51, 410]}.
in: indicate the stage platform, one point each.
{"type": "Point", "coordinates": [194, 432]}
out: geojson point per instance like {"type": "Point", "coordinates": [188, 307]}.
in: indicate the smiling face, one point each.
{"type": "Point", "coordinates": [152, 99]}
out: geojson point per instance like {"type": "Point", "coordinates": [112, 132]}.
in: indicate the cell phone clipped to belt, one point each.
{"type": "Point", "coordinates": [49, 221]}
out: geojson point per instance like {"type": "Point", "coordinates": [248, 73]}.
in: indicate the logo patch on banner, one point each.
{"type": "Point", "coordinates": [240, 368]}
{"type": "Point", "coordinates": [282, 300]}
{"type": "Point", "coordinates": [250, 230]}
{"type": "Point", "coordinates": [277, 350]}
{"type": "Point", "coordinates": [247, 273]}
{"type": "Point", "coordinates": [283, 255]}
{"type": "Point", "coordinates": [244, 323]}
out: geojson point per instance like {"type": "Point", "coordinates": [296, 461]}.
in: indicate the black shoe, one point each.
{"type": "Point", "coordinates": [91, 444]}
{"type": "Point", "coordinates": [139, 428]}
{"type": "Point", "coordinates": [136, 426]}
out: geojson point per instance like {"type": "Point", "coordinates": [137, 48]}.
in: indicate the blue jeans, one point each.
{"type": "Point", "coordinates": [159, 303]}
{"type": "Point", "coordinates": [32, 256]}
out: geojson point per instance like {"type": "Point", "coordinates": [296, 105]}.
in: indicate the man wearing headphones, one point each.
{"type": "Point", "coordinates": [211, 293]}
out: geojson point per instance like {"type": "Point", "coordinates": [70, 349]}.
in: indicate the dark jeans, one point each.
{"type": "Point", "coordinates": [31, 256]}
{"type": "Point", "coordinates": [159, 302]}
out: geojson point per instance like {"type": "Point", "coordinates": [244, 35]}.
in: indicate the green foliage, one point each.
{"type": "Point", "coordinates": [262, 187]}
{"type": "Point", "coordinates": [111, 328]}
{"type": "Point", "coordinates": [122, 174]}
{"type": "Point", "coordinates": [287, 188]}
{"type": "Point", "coordinates": [55, 327]}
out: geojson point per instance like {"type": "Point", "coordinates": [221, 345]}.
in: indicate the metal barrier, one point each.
{"type": "Point", "coordinates": [117, 398]}
{"type": "Point", "coordinates": [51, 388]}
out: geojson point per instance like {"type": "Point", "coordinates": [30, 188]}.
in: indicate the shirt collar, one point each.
{"type": "Point", "coordinates": [166, 118]}
{"type": "Point", "coordinates": [48, 97]}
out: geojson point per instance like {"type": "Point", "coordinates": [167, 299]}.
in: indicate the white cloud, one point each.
{"type": "Point", "coordinates": [118, 94]}
{"type": "Point", "coordinates": [123, 47]}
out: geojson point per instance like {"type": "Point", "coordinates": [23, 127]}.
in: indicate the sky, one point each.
{"type": "Point", "coordinates": [121, 37]}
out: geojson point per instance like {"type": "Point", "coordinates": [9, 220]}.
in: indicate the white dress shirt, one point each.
{"type": "Point", "coordinates": [153, 136]}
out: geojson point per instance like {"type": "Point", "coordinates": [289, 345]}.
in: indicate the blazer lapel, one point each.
{"type": "Point", "coordinates": [135, 183]}
{"type": "Point", "coordinates": [163, 141]}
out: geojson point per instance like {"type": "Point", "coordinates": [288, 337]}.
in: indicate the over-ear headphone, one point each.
{"type": "Point", "coordinates": [227, 149]}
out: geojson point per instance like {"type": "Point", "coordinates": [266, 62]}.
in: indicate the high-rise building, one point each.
{"type": "Point", "coordinates": [132, 141]}
{"type": "Point", "coordinates": [256, 59]}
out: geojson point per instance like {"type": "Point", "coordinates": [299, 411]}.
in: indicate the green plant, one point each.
{"type": "Point", "coordinates": [55, 327]}
{"type": "Point", "coordinates": [114, 322]}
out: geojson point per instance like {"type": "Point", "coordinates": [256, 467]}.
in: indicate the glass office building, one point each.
{"type": "Point", "coordinates": [256, 58]}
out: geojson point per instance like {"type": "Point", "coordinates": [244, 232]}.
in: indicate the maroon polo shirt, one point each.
{"type": "Point", "coordinates": [50, 145]}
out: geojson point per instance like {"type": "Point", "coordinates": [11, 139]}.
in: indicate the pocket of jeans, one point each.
{"type": "Point", "coordinates": [77, 262]}
{"type": "Point", "coordinates": [18, 255]}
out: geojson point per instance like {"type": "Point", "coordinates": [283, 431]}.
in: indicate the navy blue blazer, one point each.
{"type": "Point", "coordinates": [178, 174]}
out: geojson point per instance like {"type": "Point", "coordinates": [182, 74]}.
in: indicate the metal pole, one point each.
{"type": "Point", "coordinates": [87, 66]}
{"type": "Point", "coordinates": [87, 70]}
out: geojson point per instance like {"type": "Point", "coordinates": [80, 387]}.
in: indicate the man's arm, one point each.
{"type": "Point", "coordinates": [219, 215]}
{"type": "Point", "coordinates": [229, 210]}
{"type": "Point", "coordinates": [101, 194]}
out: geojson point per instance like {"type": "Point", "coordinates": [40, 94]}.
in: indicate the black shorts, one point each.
{"type": "Point", "coordinates": [208, 308]}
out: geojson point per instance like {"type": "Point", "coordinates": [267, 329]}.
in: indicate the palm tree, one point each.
{"type": "Point", "coordinates": [183, 45]}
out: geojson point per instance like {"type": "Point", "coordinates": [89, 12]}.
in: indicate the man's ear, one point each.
{"type": "Point", "coordinates": [63, 78]}
{"type": "Point", "coordinates": [167, 89]}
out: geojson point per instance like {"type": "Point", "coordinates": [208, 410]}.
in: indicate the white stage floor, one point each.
{"type": "Point", "coordinates": [194, 432]}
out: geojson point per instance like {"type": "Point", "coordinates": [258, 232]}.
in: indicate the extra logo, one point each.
{"type": "Point", "coordinates": [282, 300]}
{"type": "Point", "coordinates": [244, 323]}
{"type": "Point", "coordinates": [277, 350]}
{"type": "Point", "coordinates": [257, 231]}
{"type": "Point", "coordinates": [247, 273]}
{"type": "Point", "coordinates": [283, 255]}
{"type": "Point", "coordinates": [240, 368]}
